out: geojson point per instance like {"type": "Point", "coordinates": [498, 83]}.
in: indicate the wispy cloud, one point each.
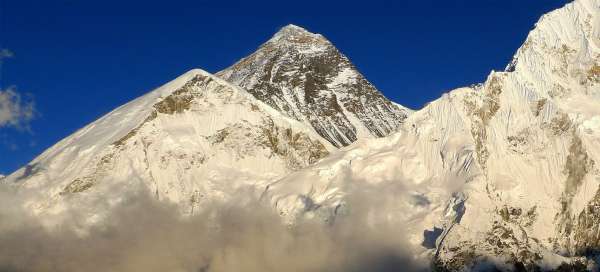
{"type": "Point", "coordinates": [15, 111]}
{"type": "Point", "coordinates": [5, 53]}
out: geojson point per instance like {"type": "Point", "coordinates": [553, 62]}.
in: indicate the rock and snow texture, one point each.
{"type": "Point", "coordinates": [502, 173]}
{"type": "Point", "coordinates": [534, 137]}
{"type": "Point", "coordinates": [186, 141]}
{"type": "Point", "coordinates": [305, 77]}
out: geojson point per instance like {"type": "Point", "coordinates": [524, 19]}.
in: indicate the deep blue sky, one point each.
{"type": "Point", "coordinates": [81, 59]}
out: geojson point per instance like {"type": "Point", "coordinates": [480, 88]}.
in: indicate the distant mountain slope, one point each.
{"type": "Point", "coordinates": [305, 77]}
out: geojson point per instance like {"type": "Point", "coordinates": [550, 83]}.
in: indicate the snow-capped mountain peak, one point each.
{"type": "Point", "coordinates": [185, 140]}
{"type": "Point", "coordinates": [296, 38]}
{"type": "Point", "coordinates": [296, 34]}
{"type": "Point", "coordinates": [305, 77]}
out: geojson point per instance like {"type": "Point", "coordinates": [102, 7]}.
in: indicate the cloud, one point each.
{"type": "Point", "coordinates": [15, 111]}
{"type": "Point", "coordinates": [5, 53]}
{"type": "Point", "coordinates": [144, 234]}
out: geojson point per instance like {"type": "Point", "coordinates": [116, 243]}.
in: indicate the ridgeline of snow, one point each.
{"type": "Point", "coordinates": [185, 141]}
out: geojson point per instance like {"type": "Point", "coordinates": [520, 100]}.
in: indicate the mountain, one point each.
{"type": "Point", "coordinates": [501, 174]}
{"type": "Point", "coordinates": [306, 78]}
{"type": "Point", "coordinates": [188, 139]}
{"type": "Point", "coordinates": [185, 141]}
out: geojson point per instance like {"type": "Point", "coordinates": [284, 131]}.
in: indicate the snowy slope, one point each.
{"type": "Point", "coordinates": [185, 141]}
{"type": "Point", "coordinates": [305, 77]}
{"type": "Point", "coordinates": [189, 139]}
{"type": "Point", "coordinates": [504, 172]}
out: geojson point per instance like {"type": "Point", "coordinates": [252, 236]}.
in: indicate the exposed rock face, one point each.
{"type": "Point", "coordinates": [305, 77]}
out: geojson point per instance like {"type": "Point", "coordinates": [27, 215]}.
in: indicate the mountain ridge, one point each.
{"type": "Point", "coordinates": [182, 141]}
{"type": "Point", "coordinates": [502, 174]}
{"type": "Point", "coordinates": [498, 175]}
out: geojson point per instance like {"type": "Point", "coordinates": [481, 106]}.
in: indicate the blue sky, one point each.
{"type": "Point", "coordinates": [80, 59]}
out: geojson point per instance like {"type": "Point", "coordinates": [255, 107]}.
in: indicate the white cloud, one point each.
{"type": "Point", "coordinates": [14, 110]}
